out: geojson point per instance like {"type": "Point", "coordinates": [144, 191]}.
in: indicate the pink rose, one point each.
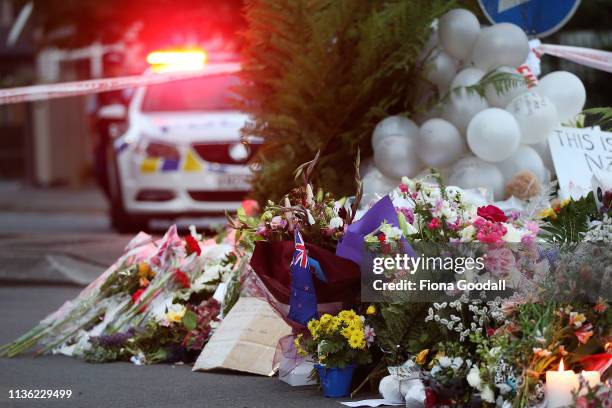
{"type": "Point", "coordinates": [489, 232]}
{"type": "Point", "coordinates": [500, 262]}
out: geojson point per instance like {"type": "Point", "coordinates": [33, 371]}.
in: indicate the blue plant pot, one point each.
{"type": "Point", "coordinates": [336, 382]}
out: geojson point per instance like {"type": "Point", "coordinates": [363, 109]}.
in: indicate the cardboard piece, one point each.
{"type": "Point", "coordinates": [245, 340]}
{"type": "Point", "coordinates": [577, 154]}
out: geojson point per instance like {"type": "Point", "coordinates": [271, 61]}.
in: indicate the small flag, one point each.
{"type": "Point", "coordinates": [303, 299]}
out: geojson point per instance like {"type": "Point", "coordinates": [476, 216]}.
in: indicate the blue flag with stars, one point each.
{"type": "Point", "coordinates": [303, 299]}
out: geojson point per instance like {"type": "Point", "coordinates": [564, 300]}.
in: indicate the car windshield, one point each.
{"type": "Point", "coordinates": [199, 94]}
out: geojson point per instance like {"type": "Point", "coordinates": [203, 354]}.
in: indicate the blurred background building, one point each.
{"type": "Point", "coordinates": [46, 41]}
{"type": "Point", "coordinates": [49, 143]}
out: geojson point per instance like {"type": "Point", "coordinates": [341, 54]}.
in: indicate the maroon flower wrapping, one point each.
{"type": "Point", "coordinates": [271, 260]}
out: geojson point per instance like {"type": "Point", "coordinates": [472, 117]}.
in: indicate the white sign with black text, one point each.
{"type": "Point", "coordinates": [577, 154]}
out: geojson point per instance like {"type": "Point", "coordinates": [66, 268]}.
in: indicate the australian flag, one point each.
{"type": "Point", "coordinates": [303, 300]}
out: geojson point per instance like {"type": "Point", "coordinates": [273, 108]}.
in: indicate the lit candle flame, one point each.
{"type": "Point", "coordinates": [561, 366]}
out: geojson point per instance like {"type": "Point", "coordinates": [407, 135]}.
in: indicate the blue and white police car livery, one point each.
{"type": "Point", "coordinates": [181, 154]}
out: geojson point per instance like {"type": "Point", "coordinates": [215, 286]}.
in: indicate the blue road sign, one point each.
{"type": "Point", "coordinates": [538, 18]}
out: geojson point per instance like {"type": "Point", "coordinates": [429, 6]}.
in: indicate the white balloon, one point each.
{"type": "Point", "coordinates": [500, 44]}
{"type": "Point", "coordinates": [467, 77]}
{"type": "Point", "coordinates": [535, 115]}
{"type": "Point", "coordinates": [525, 158]}
{"type": "Point", "coordinates": [493, 134]}
{"type": "Point", "coordinates": [472, 172]}
{"type": "Point", "coordinates": [394, 126]}
{"type": "Point", "coordinates": [375, 183]}
{"type": "Point", "coordinates": [502, 99]}
{"type": "Point", "coordinates": [439, 143]}
{"type": "Point", "coordinates": [441, 69]}
{"type": "Point", "coordinates": [544, 152]}
{"type": "Point", "coordinates": [461, 107]}
{"type": "Point", "coordinates": [458, 30]}
{"type": "Point", "coordinates": [396, 157]}
{"type": "Point", "coordinates": [566, 91]}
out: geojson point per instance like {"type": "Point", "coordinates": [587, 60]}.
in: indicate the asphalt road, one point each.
{"type": "Point", "coordinates": [124, 384]}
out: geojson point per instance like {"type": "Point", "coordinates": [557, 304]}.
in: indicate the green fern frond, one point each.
{"type": "Point", "coordinates": [604, 115]}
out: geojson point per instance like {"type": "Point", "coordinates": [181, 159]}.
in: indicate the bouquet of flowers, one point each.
{"type": "Point", "coordinates": [337, 341]}
{"type": "Point", "coordinates": [154, 304]}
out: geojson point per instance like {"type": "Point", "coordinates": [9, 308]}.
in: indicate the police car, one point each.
{"type": "Point", "coordinates": [181, 154]}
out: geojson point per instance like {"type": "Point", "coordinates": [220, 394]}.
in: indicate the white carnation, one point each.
{"type": "Point", "coordinates": [445, 362]}
{"type": "Point", "coordinates": [473, 378]}
{"type": "Point", "coordinates": [487, 394]}
{"type": "Point", "coordinates": [512, 233]}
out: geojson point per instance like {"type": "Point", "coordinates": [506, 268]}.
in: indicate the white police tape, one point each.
{"type": "Point", "coordinates": [597, 59]}
{"type": "Point", "coordinates": [60, 90]}
{"type": "Point", "coordinates": [589, 57]}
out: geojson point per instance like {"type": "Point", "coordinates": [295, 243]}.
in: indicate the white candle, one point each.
{"type": "Point", "coordinates": [559, 387]}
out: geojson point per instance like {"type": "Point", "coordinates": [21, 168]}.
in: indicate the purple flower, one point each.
{"type": "Point", "coordinates": [113, 340]}
{"type": "Point", "coordinates": [408, 214]}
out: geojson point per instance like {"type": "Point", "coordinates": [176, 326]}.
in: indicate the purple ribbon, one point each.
{"type": "Point", "coordinates": [353, 246]}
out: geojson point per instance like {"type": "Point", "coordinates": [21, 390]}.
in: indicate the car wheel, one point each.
{"type": "Point", "coordinates": [121, 220]}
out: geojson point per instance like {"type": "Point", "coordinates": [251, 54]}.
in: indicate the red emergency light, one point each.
{"type": "Point", "coordinates": [177, 60]}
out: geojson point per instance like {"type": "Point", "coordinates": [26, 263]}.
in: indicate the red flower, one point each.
{"type": "Point", "coordinates": [136, 299]}
{"type": "Point", "coordinates": [182, 278]}
{"type": "Point", "coordinates": [136, 295]}
{"type": "Point", "coordinates": [492, 213]}
{"type": "Point", "coordinates": [431, 398]}
{"type": "Point", "coordinates": [434, 224]}
{"type": "Point", "coordinates": [382, 237]}
{"type": "Point", "coordinates": [191, 245]}
{"type": "Point", "coordinates": [250, 207]}
{"type": "Point", "coordinates": [403, 188]}
{"type": "Point", "coordinates": [490, 331]}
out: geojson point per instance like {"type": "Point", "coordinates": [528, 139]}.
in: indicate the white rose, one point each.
{"type": "Point", "coordinates": [512, 234]}
{"type": "Point", "coordinates": [487, 394]}
{"type": "Point", "coordinates": [473, 378]}
{"type": "Point", "coordinates": [445, 361]}
{"type": "Point", "coordinates": [391, 232]}
{"type": "Point", "coordinates": [467, 234]}
{"type": "Point", "coordinates": [336, 222]}
{"type": "Point", "coordinates": [457, 362]}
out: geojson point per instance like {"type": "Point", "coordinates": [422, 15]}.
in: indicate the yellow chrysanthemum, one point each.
{"type": "Point", "coordinates": [297, 342]}
{"type": "Point", "coordinates": [348, 315]}
{"type": "Point", "coordinates": [354, 342]}
{"type": "Point", "coordinates": [326, 318]}
{"type": "Point", "coordinates": [330, 326]}
{"type": "Point", "coordinates": [313, 327]}
{"type": "Point", "coordinates": [371, 310]}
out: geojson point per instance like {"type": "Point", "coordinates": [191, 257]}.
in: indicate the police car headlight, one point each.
{"type": "Point", "coordinates": [162, 150]}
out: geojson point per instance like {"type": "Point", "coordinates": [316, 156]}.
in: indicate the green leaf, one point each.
{"type": "Point", "coordinates": [190, 320]}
